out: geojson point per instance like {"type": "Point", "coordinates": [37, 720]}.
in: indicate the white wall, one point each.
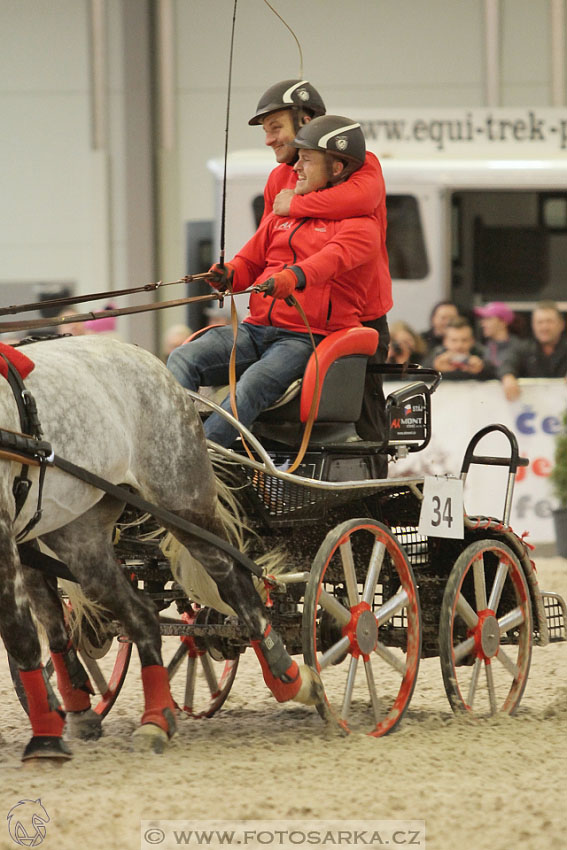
{"type": "Point", "coordinates": [45, 204]}
{"type": "Point", "coordinates": [70, 213]}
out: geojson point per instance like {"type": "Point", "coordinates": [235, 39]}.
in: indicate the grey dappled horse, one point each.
{"type": "Point", "coordinates": [115, 410]}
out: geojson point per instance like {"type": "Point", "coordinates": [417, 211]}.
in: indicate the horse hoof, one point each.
{"type": "Point", "coordinates": [86, 725]}
{"type": "Point", "coordinates": [150, 738]}
{"type": "Point", "coordinates": [311, 691]}
{"type": "Point", "coordinates": [48, 747]}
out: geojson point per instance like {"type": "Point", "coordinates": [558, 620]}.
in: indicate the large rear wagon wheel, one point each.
{"type": "Point", "coordinates": [485, 630]}
{"type": "Point", "coordinates": [361, 610]}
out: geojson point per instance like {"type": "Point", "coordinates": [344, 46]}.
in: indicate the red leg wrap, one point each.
{"type": "Point", "coordinates": [285, 686]}
{"type": "Point", "coordinates": [74, 699]}
{"type": "Point", "coordinates": [158, 701]}
{"type": "Point", "coordinates": [45, 720]}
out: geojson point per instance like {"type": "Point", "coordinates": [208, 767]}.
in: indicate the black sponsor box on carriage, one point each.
{"type": "Point", "coordinates": [408, 421]}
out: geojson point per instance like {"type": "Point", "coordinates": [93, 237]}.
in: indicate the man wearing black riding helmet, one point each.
{"type": "Point", "coordinates": [324, 264]}
{"type": "Point", "coordinates": [281, 110]}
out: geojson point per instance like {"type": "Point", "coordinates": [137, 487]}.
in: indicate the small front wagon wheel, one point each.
{"type": "Point", "coordinates": [485, 630]}
{"type": "Point", "coordinates": [200, 680]}
{"type": "Point", "coordinates": [361, 610]}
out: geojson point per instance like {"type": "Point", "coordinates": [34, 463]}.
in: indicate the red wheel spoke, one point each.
{"type": "Point", "coordinates": [474, 682]}
{"type": "Point", "coordinates": [392, 607]}
{"type": "Point", "coordinates": [498, 586]}
{"type": "Point", "coordinates": [334, 653]}
{"type": "Point", "coordinates": [388, 656]}
{"type": "Point", "coordinates": [347, 699]}
{"type": "Point", "coordinates": [373, 572]}
{"type": "Point", "coordinates": [479, 584]}
{"type": "Point", "coordinates": [511, 620]}
{"type": "Point", "coordinates": [466, 611]}
{"type": "Point", "coordinates": [334, 608]}
{"type": "Point", "coordinates": [508, 664]}
{"type": "Point", "coordinates": [490, 685]}
{"type": "Point", "coordinates": [350, 573]}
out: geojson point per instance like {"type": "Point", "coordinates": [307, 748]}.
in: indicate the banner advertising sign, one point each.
{"type": "Point", "coordinates": [459, 410]}
{"type": "Point", "coordinates": [503, 133]}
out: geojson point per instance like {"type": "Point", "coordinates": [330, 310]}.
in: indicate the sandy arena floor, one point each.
{"type": "Point", "coordinates": [491, 785]}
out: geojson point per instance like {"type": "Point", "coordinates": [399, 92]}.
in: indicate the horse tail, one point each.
{"type": "Point", "coordinates": [82, 614]}
{"type": "Point", "coordinates": [192, 576]}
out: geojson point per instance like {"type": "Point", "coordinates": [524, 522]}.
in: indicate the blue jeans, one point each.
{"type": "Point", "coordinates": [268, 360]}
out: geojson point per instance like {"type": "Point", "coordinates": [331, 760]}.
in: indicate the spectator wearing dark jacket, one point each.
{"type": "Point", "coordinates": [460, 358]}
{"type": "Point", "coordinates": [442, 313]}
{"type": "Point", "coordinates": [544, 356]}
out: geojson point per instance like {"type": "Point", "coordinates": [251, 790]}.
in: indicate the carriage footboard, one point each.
{"type": "Point", "coordinates": [555, 614]}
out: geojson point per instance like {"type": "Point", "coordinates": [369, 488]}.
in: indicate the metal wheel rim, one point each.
{"type": "Point", "coordinates": [498, 664]}
{"type": "Point", "coordinates": [358, 651]}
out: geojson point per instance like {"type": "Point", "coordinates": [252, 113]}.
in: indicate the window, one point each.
{"type": "Point", "coordinates": [553, 211]}
{"type": "Point", "coordinates": [404, 240]}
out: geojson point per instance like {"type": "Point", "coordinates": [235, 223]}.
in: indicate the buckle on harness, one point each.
{"type": "Point", "coordinates": [20, 490]}
{"type": "Point", "coordinates": [31, 411]}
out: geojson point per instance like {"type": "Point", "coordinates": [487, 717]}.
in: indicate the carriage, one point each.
{"type": "Point", "coordinates": [368, 587]}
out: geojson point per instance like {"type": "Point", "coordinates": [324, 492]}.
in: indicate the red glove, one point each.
{"type": "Point", "coordinates": [221, 276]}
{"type": "Point", "coordinates": [280, 285]}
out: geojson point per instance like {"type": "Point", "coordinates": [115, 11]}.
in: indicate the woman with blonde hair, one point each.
{"type": "Point", "coordinates": [406, 344]}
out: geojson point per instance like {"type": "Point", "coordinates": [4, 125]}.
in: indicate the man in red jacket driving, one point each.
{"type": "Point", "coordinates": [324, 264]}
{"type": "Point", "coordinates": [282, 110]}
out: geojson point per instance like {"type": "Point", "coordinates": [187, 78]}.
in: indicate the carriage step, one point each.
{"type": "Point", "coordinates": [556, 615]}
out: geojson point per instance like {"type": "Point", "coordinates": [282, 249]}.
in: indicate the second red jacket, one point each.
{"type": "Point", "coordinates": [364, 193]}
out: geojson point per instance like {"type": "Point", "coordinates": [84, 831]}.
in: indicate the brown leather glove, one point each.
{"type": "Point", "coordinates": [221, 276]}
{"type": "Point", "coordinates": [280, 285]}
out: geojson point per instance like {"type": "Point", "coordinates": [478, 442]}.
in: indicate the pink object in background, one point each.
{"type": "Point", "coordinates": [105, 324]}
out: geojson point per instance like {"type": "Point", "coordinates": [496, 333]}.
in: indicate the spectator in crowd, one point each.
{"type": "Point", "coordinates": [544, 356]}
{"type": "Point", "coordinates": [460, 357]}
{"type": "Point", "coordinates": [406, 345]}
{"type": "Point", "coordinates": [495, 320]}
{"type": "Point", "coordinates": [442, 313]}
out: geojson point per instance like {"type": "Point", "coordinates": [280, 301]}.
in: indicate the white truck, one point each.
{"type": "Point", "coordinates": [491, 225]}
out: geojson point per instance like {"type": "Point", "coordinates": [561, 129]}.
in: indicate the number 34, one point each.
{"type": "Point", "coordinates": [442, 509]}
{"type": "Point", "coordinates": [442, 514]}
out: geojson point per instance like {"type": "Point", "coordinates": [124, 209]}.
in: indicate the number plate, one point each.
{"type": "Point", "coordinates": [442, 508]}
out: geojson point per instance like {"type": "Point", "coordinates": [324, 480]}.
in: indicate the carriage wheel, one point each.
{"type": "Point", "coordinates": [486, 622]}
{"type": "Point", "coordinates": [105, 659]}
{"type": "Point", "coordinates": [361, 609]}
{"type": "Point", "coordinates": [200, 680]}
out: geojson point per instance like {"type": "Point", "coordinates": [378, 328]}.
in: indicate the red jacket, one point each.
{"type": "Point", "coordinates": [364, 193]}
{"type": "Point", "coordinates": [334, 257]}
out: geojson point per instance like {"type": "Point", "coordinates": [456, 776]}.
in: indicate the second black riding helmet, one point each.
{"type": "Point", "coordinates": [289, 94]}
{"type": "Point", "coordinates": [333, 134]}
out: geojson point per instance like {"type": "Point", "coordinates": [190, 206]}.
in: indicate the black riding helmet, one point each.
{"type": "Point", "coordinates": [289, 94]}
{"type": "Point", "coordinates": [333, 134]}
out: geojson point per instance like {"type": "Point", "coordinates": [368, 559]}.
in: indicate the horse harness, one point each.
{"type": "Point", "coordinates": [30, 449]}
